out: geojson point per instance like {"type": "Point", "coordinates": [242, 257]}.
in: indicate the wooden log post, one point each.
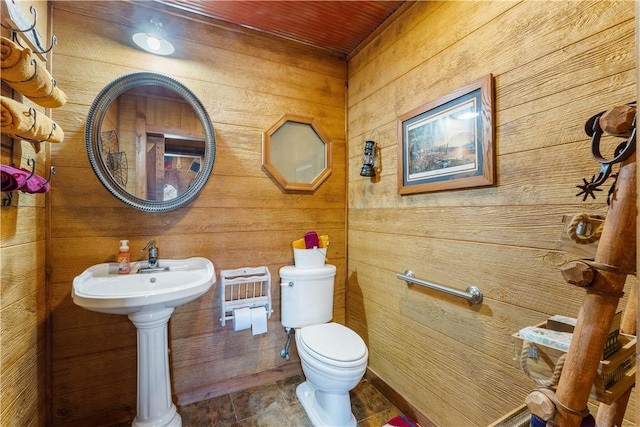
{"type": "Point", "coordinates": [617, 248]}
{"type": "Point", "coordinates": [612, 415]}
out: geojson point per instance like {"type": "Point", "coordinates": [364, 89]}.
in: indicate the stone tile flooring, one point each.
{"type": "Point", "coordinates": [276, 405]}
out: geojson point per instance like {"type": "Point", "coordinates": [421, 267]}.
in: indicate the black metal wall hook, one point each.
{"type": "Point", "coordinates": [34, 12]}
{"type": "Point", "coordinates": [31, 162]}
{"type": "Point", "coordinates": [17, 17]}
{"type": "Point", "coordinates": [6, 201]}
{"type": "Point", "coordinates": [52, 170]}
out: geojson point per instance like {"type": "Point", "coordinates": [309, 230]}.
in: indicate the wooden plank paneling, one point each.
{"type": "Point", "coordinates": [241, 218]}
{"type": "Point", "coordinates": [23, 309]}
{"type": "Point", "coordinates": [521, 181]}
{"type": "Point", "coordinates": [534, 84]}
{"type": "Point", "coordinates": [217, 34]}
{"type": "Point", "coordinates": [241, 383]}
{"type": "Point", "coordinates": [226, 250]}
{"type": "Point", "coordinates": [22, 317]}
{"type": "Point", "coordinates": [470, 223]}
{"type": "Point", "coordinates": [18, 281]}
{"type": "Point", "coordinates": [554, 67]}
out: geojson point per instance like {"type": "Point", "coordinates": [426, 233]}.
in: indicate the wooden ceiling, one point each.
{"type": "Point", "coordinates": [338, 26]}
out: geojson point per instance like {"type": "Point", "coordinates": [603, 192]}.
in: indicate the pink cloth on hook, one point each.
{"type": "Point", "coordinates": [21, 179]}
{"type": "Point", "coordinates": [13, 178]}
{"type": "Point", "coordinates": [35, 184]}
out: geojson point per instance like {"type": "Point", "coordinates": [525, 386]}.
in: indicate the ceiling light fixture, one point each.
{"type": "Point", "coordinates": [152, 41]}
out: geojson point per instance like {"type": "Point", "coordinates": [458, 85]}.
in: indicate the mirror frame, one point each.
{"type": "Point", "coordinates": [298, 187]}
{"type": "Point", "coordinates": [97, 114]}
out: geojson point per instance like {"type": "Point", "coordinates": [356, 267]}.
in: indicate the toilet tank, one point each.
{"type": "Point", "coordinates": [306, 295]}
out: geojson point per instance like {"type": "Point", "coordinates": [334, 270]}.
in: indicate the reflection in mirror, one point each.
{"type": "Point", "coordinates": [297, 154]}
{"type": "Point", "coordinates": [160, 133]}
{"type": "Point", "coordinates": [150, 142]}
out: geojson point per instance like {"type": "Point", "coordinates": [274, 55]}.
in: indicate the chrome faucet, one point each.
{"type": "Point", "coordinates": [153, 253]}
{"type": "Point", "coordinates": [153, 266]}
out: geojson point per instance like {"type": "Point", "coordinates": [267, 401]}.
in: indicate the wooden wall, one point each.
{"type": "Point", "coordinates": [555, 64]}
{"type": "Point", "coordinates": [247, 82]}
{"type": "Point", "coordinates": [22, 275]}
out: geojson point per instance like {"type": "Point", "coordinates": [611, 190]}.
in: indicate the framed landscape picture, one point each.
{"type": "Point", "coordinates": [448, 143]}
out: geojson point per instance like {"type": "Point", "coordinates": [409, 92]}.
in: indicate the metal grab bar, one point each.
{"type": "Point", "coordinates": [472, 294]}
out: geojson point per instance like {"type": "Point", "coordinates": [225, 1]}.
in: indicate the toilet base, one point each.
{"type": "Point", "coordinates": [318, 416]}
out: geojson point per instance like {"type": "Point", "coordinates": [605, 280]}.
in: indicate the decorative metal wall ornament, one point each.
{"type": "Point", "coordinates": [622, 152]}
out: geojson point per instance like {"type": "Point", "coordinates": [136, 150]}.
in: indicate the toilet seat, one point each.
{"type": "Point", "coordinates": [333, 344]}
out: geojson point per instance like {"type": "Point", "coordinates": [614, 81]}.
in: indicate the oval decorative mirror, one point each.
{"type": "Point", "coordinates": [150, 142]}
{"type": "Point", "coordinates": [297, 154]}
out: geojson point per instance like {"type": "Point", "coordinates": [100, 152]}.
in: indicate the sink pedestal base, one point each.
{"type": "Point", "coordinates": [155, 407]}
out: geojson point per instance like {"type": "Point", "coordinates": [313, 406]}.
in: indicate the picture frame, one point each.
{"type": "Point", "coordinates": [448, 144]}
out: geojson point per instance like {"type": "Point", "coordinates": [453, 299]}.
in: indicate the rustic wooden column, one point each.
{"type": "Point", "coordinates": [617, 248]}
{"type": "Point", "coordinates": [613, 414]}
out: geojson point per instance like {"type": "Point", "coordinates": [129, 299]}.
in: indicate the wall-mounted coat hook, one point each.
{"type": "Point", "coordinates": [19, 23]}
{"type": "Point", "coordinates": [7, 200]}
{"type": "Point", "coordinates": [23, 180]}
{"type": "Point", "coordinates": [31, 162]}
{"type": "Point", "coordinates": [36, 183]}
{"type": "Point", "coordinates": [52, 170]}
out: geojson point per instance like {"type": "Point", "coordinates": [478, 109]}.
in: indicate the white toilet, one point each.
{"type": "Point", "coordinates": [334, 358]}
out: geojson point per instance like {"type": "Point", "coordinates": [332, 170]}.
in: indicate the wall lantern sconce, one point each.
{"type": "Point", "coordinates": [369, 159]}
{"type": "Point", "coordinates": [152, 41]}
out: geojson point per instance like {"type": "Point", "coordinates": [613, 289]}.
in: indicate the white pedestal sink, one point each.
{"type": "Point", "coordinates": [148, 299]}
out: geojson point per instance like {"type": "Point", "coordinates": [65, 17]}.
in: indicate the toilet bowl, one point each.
{"type": "Point", "coordinates": [334, 359]}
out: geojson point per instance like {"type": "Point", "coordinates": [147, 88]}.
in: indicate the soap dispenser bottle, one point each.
{"type": "Point", "coordinates": [124, 258]}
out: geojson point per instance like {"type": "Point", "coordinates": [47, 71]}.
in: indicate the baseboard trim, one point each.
{"type": "Point", "coordinates": [398, 401]}
{"type": "Point", "coordinates": [231, 385]}
{"type": "Point", "coordinates": [116, 416]}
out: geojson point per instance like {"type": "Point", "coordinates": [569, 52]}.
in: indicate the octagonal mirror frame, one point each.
{"type": "Point", "coordinates": [285, 158]}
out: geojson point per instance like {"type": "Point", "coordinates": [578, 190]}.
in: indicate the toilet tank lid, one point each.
{"type": "Point", "coordinates": [292, 272]}
{"type": "Point", "coordinates": [333, 341]}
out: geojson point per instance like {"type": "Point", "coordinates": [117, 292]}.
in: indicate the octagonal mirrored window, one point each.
{"type": "Point", "coordinates": [297, 154]}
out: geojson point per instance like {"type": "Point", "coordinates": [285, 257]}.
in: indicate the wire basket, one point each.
{"type": "Point", "coordinates": [116, 160]}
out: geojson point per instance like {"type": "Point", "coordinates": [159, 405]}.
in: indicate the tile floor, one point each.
{"type": "Point", "coordinates": [276, 405]}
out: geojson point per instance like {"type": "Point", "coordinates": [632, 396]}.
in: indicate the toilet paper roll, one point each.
{"type": "Point", "coordinates": [241, 318]}
{"type": "Point", "coordinates": [258, 320]}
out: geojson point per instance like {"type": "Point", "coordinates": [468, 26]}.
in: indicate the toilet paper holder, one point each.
{"type": "Point", "coordinates": [244, 287]}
